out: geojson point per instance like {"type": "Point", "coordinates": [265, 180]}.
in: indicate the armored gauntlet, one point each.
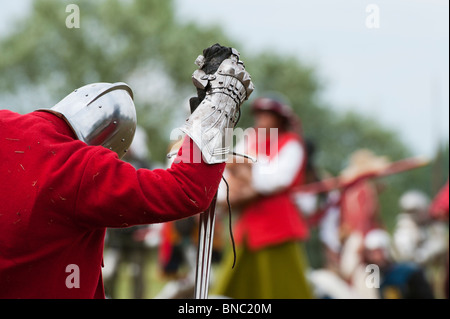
{"type": "Point", "coordinates": [221, 92]}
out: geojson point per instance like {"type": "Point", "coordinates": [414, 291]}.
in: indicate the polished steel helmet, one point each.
{"type": "Point", "coordinates": [101, 114]}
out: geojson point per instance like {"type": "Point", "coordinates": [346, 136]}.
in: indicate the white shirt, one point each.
{"type": "Point", "coordinates": [273, 175]}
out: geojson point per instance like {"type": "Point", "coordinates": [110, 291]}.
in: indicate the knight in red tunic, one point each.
{"type": "Point", "coordinates": [63, 184]}
{"type": "Point", "coordinates": [58, 196]}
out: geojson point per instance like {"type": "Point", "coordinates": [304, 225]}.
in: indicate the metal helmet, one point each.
{"type": "Point", "coordinates": [414, 201]}
{"type": "Point", "coordinates": [378, 239]}
{"type": "Point", "coordinates": [100, 114]}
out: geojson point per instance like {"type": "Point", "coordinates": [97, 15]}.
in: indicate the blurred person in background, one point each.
{"type": "Point", "coordinates": [351, 211]}
{"type": "Point", "coordinates": [178, 256]}
{"type": "Point", "coordinates": [419, 238]}
{"type": "Point", "coordinates": [370, 272]}
{"type": "Point", "coordinates": [439, 211]}
{"type": "Point", "coordinates": [313, 206]}
{"type": "Point", "coordinates": [398, 280]}
{"type": "Point", "coordinates": [328, 281]}
{"type": "Point", "coordinates": [359, 203]}
{"type": "Point", "coordinates": [270, 262]}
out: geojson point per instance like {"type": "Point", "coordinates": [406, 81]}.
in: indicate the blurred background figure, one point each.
{"type": "Point", "coordinates": [439, 211]}
{"type": "Point", "coordinates": [127, 249]}
{"type": "Point", "coordinates": [358, 214]}
{"type": "Point", "coordinates": [398, 280]}
{"type": "Point", "coordinates": [407, 235]}
{"type": "Point", "coordinates": [307, 202]}
{"type": "Point", "coordinates": [313, 206]}
{"type": "Point", "coordinates": [270, 261]}
{"type": "Point", "coordinates": [420, 239]}
{"type": "Point", "coordinates": [344, 275]}
{"type": "Point", "coordinates": [177, 258]}
{"type": "Point", "coordinates": [359, 198]}
{"type": "Point", "coordinates": [350, 212]}
{"type": "Point", "coordinates": [327, 279]}
{"type": "Point", "coordinates": [369, 271]}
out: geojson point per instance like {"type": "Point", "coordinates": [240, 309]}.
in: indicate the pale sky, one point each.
{"type": "Point", "coordinates": [397, 73]}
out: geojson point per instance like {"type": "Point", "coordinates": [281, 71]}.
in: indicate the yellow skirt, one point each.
{"type": "Point", "coordinates": [275, 272]}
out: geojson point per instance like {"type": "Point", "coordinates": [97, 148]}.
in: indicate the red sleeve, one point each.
{"type": "Point", "coordinates": [439, 206]}
{"type": "Point", "coordinates": [113, 194]}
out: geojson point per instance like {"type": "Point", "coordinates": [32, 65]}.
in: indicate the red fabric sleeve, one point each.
{"type": "Point", "coordinates": [113, 194]}
{"type": "Point", "coordinates": [439, 206]}
{"type": "Point", "coordinates": [359, 207]}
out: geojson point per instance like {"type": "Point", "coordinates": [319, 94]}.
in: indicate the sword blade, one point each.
{"type": "Point", "coordinates": [205, 246]}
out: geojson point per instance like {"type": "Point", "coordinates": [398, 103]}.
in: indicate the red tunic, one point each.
{"type": "Point", "coordinates": [359, 207]}
{"type": "Point", "coordinates": [58, 195]}
{"type": "Point", "coordinates": [273, 219]}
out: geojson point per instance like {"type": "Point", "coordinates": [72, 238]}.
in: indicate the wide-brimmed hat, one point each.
{"type": "Point", "coordinates": [364, 162]}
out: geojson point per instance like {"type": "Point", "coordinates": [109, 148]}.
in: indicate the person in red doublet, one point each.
{"type": "Point", "coordinates": [270, 261]}
{"type": "Point", "coordinates": [359, 193]}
